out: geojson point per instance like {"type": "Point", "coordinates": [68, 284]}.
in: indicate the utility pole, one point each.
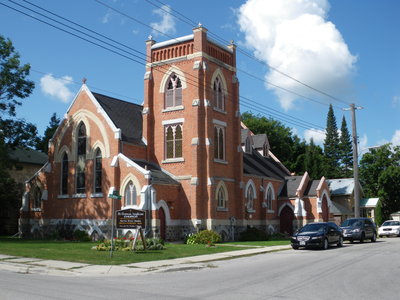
{"type": "Point", "coordinates": [355, 160]}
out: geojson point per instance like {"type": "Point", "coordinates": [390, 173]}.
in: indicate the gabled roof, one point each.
{"type": "Point", "coordinates": [256, 164]}
{"type": "Point", "coordinates": [158, 176]}
{"type": "Point", "coordinates": [338, 209]}
{"type": "Point", "coordinates": [28, 156]}
{"type": "Point", "coordinates": [311, 189]}
{"type": "Point", "coordinates": [341, 186]}
{"type": "Point", "coordinates": [292, 183]}
{"type": "Point", "coordinates": [244, 134]}
{"type": "Point", "coordinates": [260, 140]}
{"type": "Point", "coordinates": [126, 116]}
{"type": "Point", "coordinates": [369, 202]}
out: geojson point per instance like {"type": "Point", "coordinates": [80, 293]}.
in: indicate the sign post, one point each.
{"type": "Point", "coordinates": [113, 196]}
{"type": "Point", "coordinates": [132, 219]}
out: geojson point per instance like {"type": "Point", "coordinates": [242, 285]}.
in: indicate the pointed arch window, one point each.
{"type": "Point", "coordinates": [173, 141]}
{"type": "Point", "coordinates": [221, 197]}
{"type": "Point", "coordinates": [64, 175]}
{"type": "Point", "coordinates": [219, 97]}
{"type": "Point", "coordinates": [250, 195]}
{"type": "Point", "coordinates": [130, 194]}
{"type": "Point", "coordinates": [269, 198]}
{"type": "Point", "coordinates": [98, 169]}
{"type": "Point", "coordinates": [37, 199]}
{"type": "Point", "coordinates": [81, 159]}
{"type": "Point", "coordinates": [173, 93]}
{"type": "Point", "coordinates": [219, 143]}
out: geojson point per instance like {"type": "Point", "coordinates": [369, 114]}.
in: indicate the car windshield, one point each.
{"type": "Point", "coordinates": [352, 223]}
{"type": "Point", "coordinates": [391, 223]}
{"type": "Point", "coordinates": [313, 228]}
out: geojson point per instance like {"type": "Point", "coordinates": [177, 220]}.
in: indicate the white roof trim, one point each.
{"type": "Point", "coordinates": [100, 110]}
{"type": "Point", "coordinates": [131, 163]}
{"type": "Point", "coordinates": [173, 41]}
{"type": "Point", "coordinates": [320, 183]}
{"type": "Point", "coordinates": [302, 183]}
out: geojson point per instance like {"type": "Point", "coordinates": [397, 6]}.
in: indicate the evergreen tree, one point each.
{"type": "Point", "coordinates": [43, 143]}
{"type": "Point", "coordinates": [331, 143]}
{"type": "Point", "coordinates": [346, 151]}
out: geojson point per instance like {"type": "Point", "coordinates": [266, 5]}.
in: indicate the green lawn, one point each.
{"type": "Point", "coordinates": [82, 252]}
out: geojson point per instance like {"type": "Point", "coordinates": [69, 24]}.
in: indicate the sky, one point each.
{"type": "Point", "coordinates": [294, 57]}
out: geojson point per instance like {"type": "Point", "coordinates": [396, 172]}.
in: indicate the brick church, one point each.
{"type": "Point", "coordinates": [183, 156]}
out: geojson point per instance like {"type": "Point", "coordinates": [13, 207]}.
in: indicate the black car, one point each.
{"type": "Point", "coordinates": [319, 235]}
{"type": "Point", "coordinates": [359, 229]}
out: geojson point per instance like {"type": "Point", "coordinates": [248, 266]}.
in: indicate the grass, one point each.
{"type": "Point", "coordinates": [82, 252]}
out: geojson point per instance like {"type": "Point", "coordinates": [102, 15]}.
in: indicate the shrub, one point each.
{"type": "Point", "coordinates": [81, 236]}
{"type": "Point", "coordinates": [204, 237]}
{"type": "Point", "coordinates": [126, 244]}
{"type": "Point", "coordinates": [253, 234]}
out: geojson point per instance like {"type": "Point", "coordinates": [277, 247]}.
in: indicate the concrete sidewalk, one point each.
{"type": "Point", "coordinates": [64, 268]}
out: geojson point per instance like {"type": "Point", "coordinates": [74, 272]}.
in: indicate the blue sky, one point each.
{"type": "Point", "coordinates": [346, 49]}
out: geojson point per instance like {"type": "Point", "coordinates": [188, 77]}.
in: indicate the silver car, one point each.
{"type": "Point", "coordinates": [359, 229]}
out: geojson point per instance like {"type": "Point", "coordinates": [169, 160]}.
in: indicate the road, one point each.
{"type": "Point", "coordinates": [356, 271]}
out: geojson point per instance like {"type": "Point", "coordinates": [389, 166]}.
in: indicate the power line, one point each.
{"type": "Point", "coordinates": [285, 117]}
{"type": "Point", "coordinates": [174, 38]}
{"type": "Point", "coordinates": [192, 23]}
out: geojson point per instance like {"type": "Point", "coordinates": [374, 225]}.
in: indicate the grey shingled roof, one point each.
{"type": "Point", "coordinates": [311, 189]}
{"type": "Point", "coordinates": [256, 164]}
{"type": "Point", "coordinates": [126, 116]}
{"type": "Point", "coordinates": [259, 140]}
{"type": "Point", "coordinates": [244, 133]}
{"type": "Point", "coordinates": [340, 187]}
{"type": "Point", "coordinates": [291, 185]}
{"type": "Point", "coordinates": [157, 175]}
{"type": "Point", "coordinates": [28, 156]}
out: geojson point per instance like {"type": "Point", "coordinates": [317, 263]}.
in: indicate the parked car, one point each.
{"type": "Point", "coordinates": [359, 229]}
{"type": "Point", "coordinates": [319, 235]}
{"type": "Point", "coordinates": [389, 228]}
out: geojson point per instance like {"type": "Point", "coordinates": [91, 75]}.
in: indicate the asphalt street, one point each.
{"type": "Point", "coordinates": [356, 271]}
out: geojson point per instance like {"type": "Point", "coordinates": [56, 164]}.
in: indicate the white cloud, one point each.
{"type": "Point", "coordinates": [396, 101]}
{"type": "Point", "coordinates": [167, 23]}
{"type": "Point", "coordinates": [318, 136]}
{"type": "Point", "coordinates": [57, 87]}
{"type": "Point", "coordinates": [396, 138]}
{"type": "Point", "coordinates": [295, 37]}
{"type": "Point", "coordinates": [362, 144]}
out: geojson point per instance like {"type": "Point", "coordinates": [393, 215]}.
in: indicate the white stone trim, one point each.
{"type": "Point", "coordinates": [195, 141]}
{"type": "Point", "coordinates": [173, 121]}
{"type": "Point", "coordinates": [167, 74]}
{"type": "Point", "coordinates": [220, 123]}
{"type": "Point", "coordinates": [299, 210]}
{"type": "Point", "coordinates": [283, 206]}
{"type": "Point", "coordinates": [173, 108]}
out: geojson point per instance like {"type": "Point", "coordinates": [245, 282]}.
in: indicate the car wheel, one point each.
{"type": "Point", "coordinates": [351, 241]}
{"type": "Point", "coordinates": [373, 239]}
{"type": "Point", "coordinates": [362, 238]}
{"type": "Point", "coordinates": [325, 244]}
{"type": "Point", "coordinates": [295, 247]}
{"type": "Point", "coordinates": [340, 242]}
